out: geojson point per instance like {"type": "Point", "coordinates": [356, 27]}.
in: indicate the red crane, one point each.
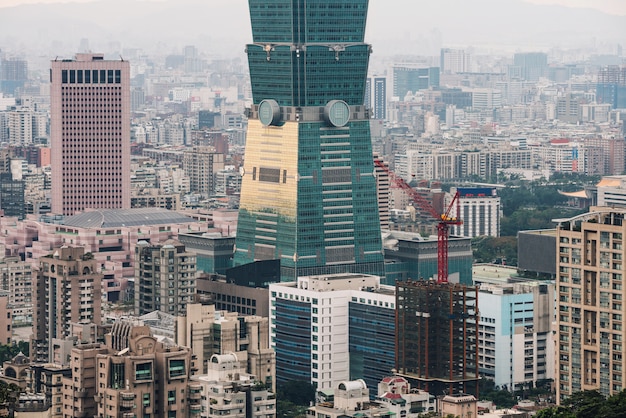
{"type": "Point", "coordinates": [444, 220]}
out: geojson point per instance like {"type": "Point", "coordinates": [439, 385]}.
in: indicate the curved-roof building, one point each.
{"type": "Point", "coordinates": [111, 218]}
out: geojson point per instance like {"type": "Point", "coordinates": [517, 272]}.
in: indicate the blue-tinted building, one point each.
{"type": "Point", "coordinates": [407, 78]}
{"type": "Point", "coordinates": [611, 86]}
{"type": "Point", "coordinates": [371, 358]}
{"type": "Point", "coordinates": [408, 256]}
{"type": "Point", "coordinates": [214, 252]}
{"type": "Point", "coordinates": [331, 328]}
{"type": "Point", "coordinates": [308, 192]}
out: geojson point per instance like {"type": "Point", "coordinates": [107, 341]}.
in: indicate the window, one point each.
{"type": "Point", "coordinates": [177, 368]}
{"type": "Point", "coordinates": [143, 371]}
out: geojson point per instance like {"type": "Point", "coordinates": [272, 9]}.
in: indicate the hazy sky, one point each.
{"type": "Point", "coordinates": [617, 7]}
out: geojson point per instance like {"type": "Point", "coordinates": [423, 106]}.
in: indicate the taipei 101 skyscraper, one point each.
{"type": "Point", "coordinates": [308, 195]}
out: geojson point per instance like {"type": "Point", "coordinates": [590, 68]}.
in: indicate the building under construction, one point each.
{"type": "Point", "coordinates": [436, 336]}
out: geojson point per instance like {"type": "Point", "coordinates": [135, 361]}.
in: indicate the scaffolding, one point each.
{"type": "Point", "coordinates": [436, 336]}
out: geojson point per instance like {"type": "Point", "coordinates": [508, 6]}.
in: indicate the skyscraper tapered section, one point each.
{"type": "Point", "coordinates": [308, 193]}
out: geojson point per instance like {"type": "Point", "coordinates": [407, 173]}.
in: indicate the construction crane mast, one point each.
{"type": "Point", "coordinates": [444, 220]}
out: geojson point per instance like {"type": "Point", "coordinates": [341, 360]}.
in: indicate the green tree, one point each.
{"type": "Point", "coordinates": [588, 404]}
{"type": "Point", "coordinates": [8, 351]}
{"type": "Point", "coordinates": [488, 249]}
{"type": "Point", "coordinates": [555, 412]}
{"type": "Point", "coordinates": [293, 399]}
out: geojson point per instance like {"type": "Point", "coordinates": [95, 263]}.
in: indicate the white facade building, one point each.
{"type": "Point", "coordinates": [321, 332]}
{"type": "Point", "coordinates": [479, 210]}
{"type": "Point", "coordinates": [515, 329]}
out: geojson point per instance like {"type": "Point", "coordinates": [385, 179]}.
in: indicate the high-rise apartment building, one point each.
{"type": "Point", "coordinates": [17, 279]}
{"type": "Point", "coordinates": [201, 165]}
{"type": "Point", "coordinates": [165, 277]}
{"type": "Point", "coordinates": [382, 186]}
{"type": "Point", "coordinates": [613, 154]}
{"type": "Point", "coordinates": [209, 332]}
{"type": "Point", "coordinates": [308, 193]}
{"type": "Point", "coordinates": [590, 303]}
{"type": "Point", "coordinates": [90, 134]}
{"type": "Point", "coordinates": [380, 98]}
{"type": "Point", "coordinates": [67, 290]}
{"type": "Point", "coordinates": [611, 86]}
{"type": "Point", "coordinates": [515, 341]}
{"type": "Point", "coordinates": [13, 75]}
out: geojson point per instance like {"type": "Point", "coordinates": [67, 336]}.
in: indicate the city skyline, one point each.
{"type": "Point", "coordinates": [405, 29]}
{"type": "Point", "coordinates": [614, 7]}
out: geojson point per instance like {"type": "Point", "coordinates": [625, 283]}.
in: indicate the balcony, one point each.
{"type": "Point", "coordinates": [80, 393]}
{"type": "Point", "coordinates": [195, 392]}
{"type": "Point", "coordinates": [127, 400]}
{"type": "Point", "coordinates": [195, 409]}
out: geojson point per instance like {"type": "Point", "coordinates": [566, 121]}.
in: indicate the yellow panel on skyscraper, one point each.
{"type": "Point", "coordinates": [272, 164]}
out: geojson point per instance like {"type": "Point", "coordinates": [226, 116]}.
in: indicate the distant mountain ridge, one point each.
{"type": "Point", "coordinates": [222, 27]}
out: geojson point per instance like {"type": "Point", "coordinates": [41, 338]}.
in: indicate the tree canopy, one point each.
{"type": "Point", "coordinates": [588, 404]}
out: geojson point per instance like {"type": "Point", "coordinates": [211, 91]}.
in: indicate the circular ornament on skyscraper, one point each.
{"type": "Point", "coordinates": [269, 112]}
{"type": "Point", "coordinates": [337, 113]}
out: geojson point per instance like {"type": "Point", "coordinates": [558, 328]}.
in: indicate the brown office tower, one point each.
{"type": "Point", "coordinates": [436, 330]}
{"type": "Point", "coordinates": [90, 133]}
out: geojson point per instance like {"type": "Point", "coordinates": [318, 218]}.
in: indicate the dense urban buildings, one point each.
{"type": "Point", "coordinates": [174, 139]}
{"type": "Point", "coordinates": [308, 194]}
{"type": "Point", "coordinates": [90, 133]}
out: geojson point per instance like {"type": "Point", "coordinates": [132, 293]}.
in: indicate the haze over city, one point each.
{"type": "Point", "coordinates": [320, 208]}
{"type": "Point", "coordinates": [221, 28]}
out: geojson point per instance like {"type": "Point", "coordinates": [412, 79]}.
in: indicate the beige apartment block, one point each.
{"type": "Point", "coordinates": [165, 277]}
{"type": "Point", "coordinates": [67, 290]}
{"type": "Point", "coordinates": [141, 377]}
{"type": "Point", "coordinates": [590, 302]}
{"type": "Point", "coordinates": [80, 387]}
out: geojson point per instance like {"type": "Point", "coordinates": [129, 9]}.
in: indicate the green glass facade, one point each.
{"type": "Point", "coordinates": [308, 193]}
